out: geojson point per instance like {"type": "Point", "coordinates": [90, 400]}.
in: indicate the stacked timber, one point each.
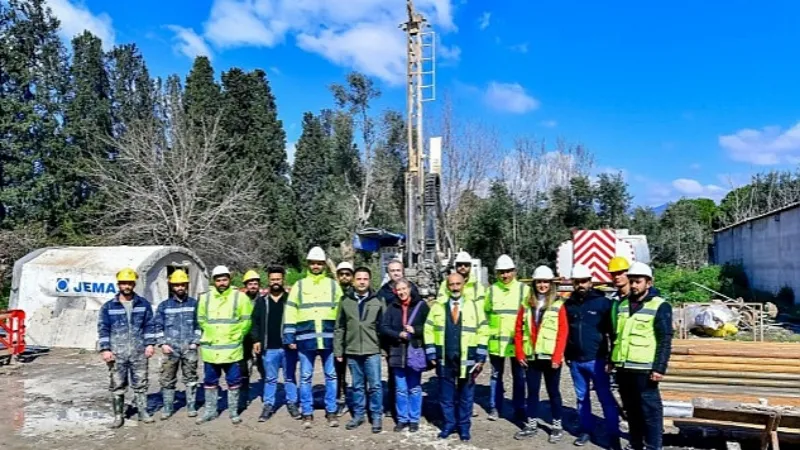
{"type": "Point", "coordinates": [741, 371]}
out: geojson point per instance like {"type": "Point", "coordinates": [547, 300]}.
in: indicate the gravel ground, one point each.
{"type": "Point", "coordinates": [60, 400]}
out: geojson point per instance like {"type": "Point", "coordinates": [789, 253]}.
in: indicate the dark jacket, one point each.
{"type": "Point", "coordinates": [259, 317]}
{"type": "Point", "coordinates": [176, 323]}
{"type": "Point", "coordinates": [356, 332]}
{"type": "Point", "coordinates": [662, 325]}
{"type": "Point", "coordinates": [387, 292]}
{"type": "Point", "coordinates": [589, 327]}
{"type": "Point", "coordinates": [123, 338]}
{"type": "Point", "coordinates": [392, 326]}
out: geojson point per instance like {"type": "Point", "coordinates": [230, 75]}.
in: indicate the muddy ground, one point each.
{"type": "Point", "coordinates": [59, 400]}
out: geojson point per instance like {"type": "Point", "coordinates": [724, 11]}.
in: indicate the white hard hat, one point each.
{"type": "Point", "coordinates": [543, 273]}
{"type": "Point", "coordinates": [316, 254]}
{"type": "Point", "coordinates": [463, 257]}
{"type": "Point", "coordinates": [504, 262]}
{"type": "Point", "coordinates": [640, 269]}
{"type": "Point", "coordinates": [344, 265]}
{"type": "Point", "coordinates": [581, 272]}
{"type": "Point", "coordinates": [220, 270]}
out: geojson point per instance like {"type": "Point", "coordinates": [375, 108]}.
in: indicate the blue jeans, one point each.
{"type": "Point", "coordinates": [366, 370]}
{"type": "Point", "coordinates": [595, 371]}
{"type": "Point", "coordinates": [496, 390]}
{"type": "Point", "coordinates": [457, 397]}
{"type": "Point", "coordinates": [212, 373]}
{"type": "Point", "coordinates": [274, 360]}
{"type": "Point", "coordinates": [408, 383]}
{"type": "Point", "coordinates": [307, 358]}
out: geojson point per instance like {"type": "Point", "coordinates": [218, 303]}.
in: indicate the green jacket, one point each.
{"type": "Point", "coordinates": [358, 334]}
{"type": "Point", "coordinates": [224, 318]}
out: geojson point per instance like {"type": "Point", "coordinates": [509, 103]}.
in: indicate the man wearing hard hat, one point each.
{"type": "Point", "coordinates": [344, 273]}
{"type": "Point", "coordinates": [224, 317]}
{"type": "Point", "coordinates": [646, 319]}
{"type": "Point", "coordinates": [126, 341]}
{"type": "Point", "coordinates": [252, 288]}
{"type": "Point", "coordinates": [178, 334]}
{"type": "Point", "coordinates": [587, 354]}
{"type": "Point", "coordinates": [309, 326]}
{"type": "Point", "coordinates": [473, 290]}
{"type": "Point", "coordinates": [618, 269]}
{"type": "Point", "coordinates": [503, 301]}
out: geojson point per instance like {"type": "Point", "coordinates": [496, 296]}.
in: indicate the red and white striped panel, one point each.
{"type": "Point", "coordinates": [594, 249]}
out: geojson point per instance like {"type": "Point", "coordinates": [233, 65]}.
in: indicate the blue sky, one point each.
{"type": "Point", "coordinates": [686, 98]}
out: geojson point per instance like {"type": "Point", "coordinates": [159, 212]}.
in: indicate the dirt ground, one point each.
{"type": "Point", "coordinates": [60, 400]}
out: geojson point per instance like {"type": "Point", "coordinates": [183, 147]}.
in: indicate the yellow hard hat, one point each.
{"type": "Point", "coordinates": [127, 274]}
{"type": "Point", "coordinates": [178, 277]}
{"type": "Point", "coordinates": [618, 264]}
{"type": "Point", "coordinates": [251, 275]}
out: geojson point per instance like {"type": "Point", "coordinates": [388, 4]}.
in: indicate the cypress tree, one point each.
{"type": "Point", "coordinates": [311, 183]}
{"type": "Point", "coordinates": [202, 98]}
{"type": "Point", "coordinates": [133, 96]}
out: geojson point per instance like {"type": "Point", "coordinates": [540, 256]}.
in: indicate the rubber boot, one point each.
{"type": "Point", "coordinates": [168, 395]}
{"type": "Point", "coordinates": [191, 400]}
{"type": "Point", "coordinates": [243, 396]}
{"type": "Point", "coordinates": [118, 405]}
{"type": "Point", "coordinates": [233, 402]}
{"type": "Point", "coordinates": [210, 409]}
{"type": "Point", "coordinates": [141, 405]}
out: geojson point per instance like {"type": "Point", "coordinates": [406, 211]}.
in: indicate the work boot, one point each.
{"type": "Point", "coordinates": [530, 430]}
{"type": "Point", "coordinates": [141, 405]}
{"type": "Point", "coordinates": [308, 421]}
{"type": "Point", "coordinates": [191, 400]}
{"type": "Point", "coordinates": [118, 406]}
{"type": "Point", "coordinates": [233, 403]}
{"type": "Point", "coordinates": [377, 426]}
{"type": "Point", "coordinates": [294, 411]}
{"type": "Point", "coordinates": [341, 408]}
{"type": "Point", "coordinates": [493, 415]}
{"type": "Point", "coordinates": [210, 408]}
{"type": "Point", "coordinates": [168, 397]}
{"type": "Point", "coordinates": [333, 422]}
{"type": "Point", "coordinates": [266, 413]}
{"type": "Point", "coordinates": [354, 423]}
{"type": "Point", "coordinates": [582, 440]}
{"type": "Point", "coordinates": [556, 432]}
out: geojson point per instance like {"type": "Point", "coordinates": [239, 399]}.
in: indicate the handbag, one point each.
{"type": "Point", "coordinates": [415, 357]}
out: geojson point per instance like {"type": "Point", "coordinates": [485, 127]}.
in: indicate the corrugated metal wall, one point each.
{"type": "Point", "coordinates": [768, 248]}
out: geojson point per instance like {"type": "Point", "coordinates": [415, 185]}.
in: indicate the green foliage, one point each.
{"type": "Point", "coordinates": [292, 275]}
{"type": "Point", "coordinates": [613, 201]}
{"type": "Point", "coordinates": [675, 283]}
{"type": "Point", "coordinates": [202, 98]}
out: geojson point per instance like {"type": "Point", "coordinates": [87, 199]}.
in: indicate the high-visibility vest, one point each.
{"type": "Point", "coordinates": [473, 291]}
{"type": "Point", "coordinates": [310, 316]}
{"type": "Point", "coordinates": [635, 343]}
{"type": "Point", "coordinates": [502, 305]}
{"type": "Point", "coordinates": [474, 333]}
{"type": "Point", "coordinates": [224, 318]}
{"type": "Point", "coordinates": [547, 335]}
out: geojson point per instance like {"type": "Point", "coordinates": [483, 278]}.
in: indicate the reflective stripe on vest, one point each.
{"type": "Point", "coordinates": [501, 341]}
{"type": "Point", "coordinates": [635, 343]}
{"type": "Point", "coordinates": [548, 332]}
{"type": "Point", "coordinates": [469, 337]}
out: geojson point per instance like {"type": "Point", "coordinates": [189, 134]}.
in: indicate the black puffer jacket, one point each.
{"type": "Point", "coordinates": [589, 327]}
{"type": "Point", "coordinates": [392, 326]}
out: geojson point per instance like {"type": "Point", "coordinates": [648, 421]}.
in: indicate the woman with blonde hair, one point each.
{"type": "Point", "coordinates": [540, 341]}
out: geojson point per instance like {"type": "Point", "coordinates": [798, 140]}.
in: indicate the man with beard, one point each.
{"type": "Point", "coordinates": [126, 340]}
{"type": "Point", "coordinates": [647, 319]}
{"type": "Point", "coordinates": [344, 273]}
{"type": "Point", "coordinates": [252, 288]}
{"type": "Point", "coordinates": [473, 290]}
{"type": "Point", "coordinates": [178, 334]}
{"type": "Point", "coordinates": [267, 335]}
{"type": "Point", "coordinates": [587, 354]}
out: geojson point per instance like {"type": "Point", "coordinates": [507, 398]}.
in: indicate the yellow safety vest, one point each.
{"type": "Point", "coordinates": [224, 319]}
{"type": "Point", "coordinates": [311, 308]}
{"type": "Point", "coordinates": [474, 333]}
{"type": "Point", "coordinates": [502, 306]}
{"type": "Point", "coordinates": [472, 291]}
{"type": "Point", "coordinates": [635, 343]}
{"type": "Point", "coordinates": [548, 331]}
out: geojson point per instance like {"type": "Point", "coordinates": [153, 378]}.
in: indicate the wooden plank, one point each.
{"type": "Point", "coordinates": [743, 365]}
{"type": "Point", "coordinates": [738, 352]}
{"type": "Point", "coordinates": [740, 396]}
{"type": "Point", "coordinates": [733, 373]}
{"type": "Point", "coordinates": [726, 415]}
{"type": "Point", "coordinates": [704, 388]}
{"type": "Point", "coordinates": [731, 381]}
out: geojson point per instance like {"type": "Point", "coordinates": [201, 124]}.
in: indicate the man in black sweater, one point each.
{"type": "Point", "coordinates": [645, 318]}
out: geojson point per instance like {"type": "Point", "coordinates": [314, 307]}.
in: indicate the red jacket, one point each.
{"type": "Point", "coordinates": [561, 339]}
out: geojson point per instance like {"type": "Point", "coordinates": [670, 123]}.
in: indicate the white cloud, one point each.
{"type": "Point", "coordinates": [449, 54]}
{"type": "Point", "coordinates": [769, 146]}
{"type": "Point", "coordinates": [485, 20]}
{"type": "Point", "coordinates": [291, 147]}
{"type": "Point", "coordinates": [548, 123]}
{"type": "Point", "coordinates": [521, 48]}
{"type": "Point", "coordinates": [658, 193]}
{"type": "Point", "coordinates": [75, 17]}
{"type": "Point", "coordinates": [189, 43]}
{"type": "Point", "coordinates": [359, 34]}
{"type": "Point", "coordinates": [509, 97]}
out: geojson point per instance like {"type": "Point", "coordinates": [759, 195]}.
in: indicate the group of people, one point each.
{"type": "Point", "coordinates": [348, 325]}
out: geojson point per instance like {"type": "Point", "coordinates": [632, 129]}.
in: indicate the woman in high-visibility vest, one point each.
{"type": "Point", "coordinates": [539, 341]}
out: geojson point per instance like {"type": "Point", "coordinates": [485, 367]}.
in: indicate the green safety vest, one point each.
{"type": "Point", "coordinates": [502, 306]}
{"type": "Point", "coordinates": [472, 291]}
{"type": "Point", "coordinates": [311, 310]}
{"type": "Point", "coordinates": [224, 319]}
{"type": "Point", "coordinates": [548, 332]}
{"type": "Point", "coordinates": [474, 334]}
{"type": "Point", "coordinates": [635, 343]}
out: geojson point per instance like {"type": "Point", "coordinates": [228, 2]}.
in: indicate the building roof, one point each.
{"type": "Point", "coordinates": [760, 216]}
